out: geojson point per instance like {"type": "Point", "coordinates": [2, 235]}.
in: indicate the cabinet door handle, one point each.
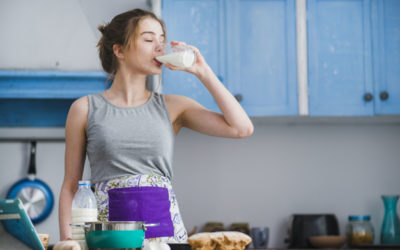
{"type": "Point", "coordinates": [384, 95]}
{"type": "Point", "coordinates": [368, 97]}
{"type": "Point", "coordinates": [239, 97]}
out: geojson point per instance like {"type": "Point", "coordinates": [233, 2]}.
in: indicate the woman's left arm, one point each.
{"type": "Point", "coordinates": [233, 122]}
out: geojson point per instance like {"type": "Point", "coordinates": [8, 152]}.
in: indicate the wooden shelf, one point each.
{"type": "Point", "coordinates": [25, 84]}
{"type": "Point", "coordinates": [31, 98]}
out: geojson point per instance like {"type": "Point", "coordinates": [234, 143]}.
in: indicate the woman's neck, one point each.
{"type": "Point", "coordinates": [128, 89]}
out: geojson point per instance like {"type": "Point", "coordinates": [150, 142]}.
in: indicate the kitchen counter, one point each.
{"type": "Point", "coordinates": [372, 247]}
{"type": "Point", "coordinates": [349, 248]}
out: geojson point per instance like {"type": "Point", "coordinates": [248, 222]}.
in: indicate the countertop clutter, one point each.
{"type": "Point", "coordinates": [219, 240]}
{"type": "Point", "coordinates": [321, 231]}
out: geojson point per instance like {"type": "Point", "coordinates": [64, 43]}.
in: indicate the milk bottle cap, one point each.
{"type": "Point", "coordinates": [84, 183]}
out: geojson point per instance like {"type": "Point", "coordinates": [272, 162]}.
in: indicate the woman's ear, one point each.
{"type": "Point", "coordinates": [118, 51]}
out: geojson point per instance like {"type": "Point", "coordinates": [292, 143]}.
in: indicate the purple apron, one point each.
{"type": "Point", "coordinates": [148, 204]}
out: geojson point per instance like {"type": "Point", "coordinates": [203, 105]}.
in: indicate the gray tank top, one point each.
{"type": "Point", "coordinates": [129, 141]}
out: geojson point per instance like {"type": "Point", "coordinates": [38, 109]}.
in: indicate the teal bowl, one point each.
{"type": "Point", "coordinates": [115, 234]}
{"type": "Point", "coordinates": [115, 239]}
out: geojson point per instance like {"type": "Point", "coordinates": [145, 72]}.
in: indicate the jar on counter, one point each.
{"type": "Point", "coordinates": [359, 230]}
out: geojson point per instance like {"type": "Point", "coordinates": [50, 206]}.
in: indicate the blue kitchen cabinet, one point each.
{"type": "Point", "coordinates": [262, 56]}
{"type": "Point", "coordinates": [339, 57]}
{"type": "Point", "coordinates": [43, 98]}
{"type": "Point", "coordinates": [386, 55]}
{"type": "Point", "coordinates": [199, 23]}
{"type": "Point", "coordinates": [251, 46]}
{"type": "Point", "coordinates": [353, 57]}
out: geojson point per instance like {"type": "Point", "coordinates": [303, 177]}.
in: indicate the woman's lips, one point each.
{"type": "Point", "coordinates": [157, 62]}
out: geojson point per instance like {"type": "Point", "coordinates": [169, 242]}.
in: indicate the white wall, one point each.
{"type": "Point", "coordinates": [55, 34]}
{"type": "Point", "coordinates": [283, 168]}
{"type": "Point", "coordinates": [288, 166]}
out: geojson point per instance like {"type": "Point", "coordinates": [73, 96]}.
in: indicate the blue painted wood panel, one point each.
{"type": "Point", "coordinates": [34, 112]}
{"type": "Point", "coordinates": [340, 57]}
{"type": "Point", "coordinates": [43, 98]}
{"type": "Point", "coordinates": [200, 23]}
{"type": "Point", "coordinates": [262, 59]}
{"type": "Point", "coordinates": [50, 84]}
{"type": "Point", "coordinates": [251, 46]}
{"type": "Point", "coordinates": [386, 33]}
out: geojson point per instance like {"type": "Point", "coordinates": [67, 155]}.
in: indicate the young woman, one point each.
{"type": "Point", "coordinates": [128, 131]}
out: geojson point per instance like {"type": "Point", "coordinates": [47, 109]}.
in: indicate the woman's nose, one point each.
{"type": "Point", "coordinates": [159, 46]}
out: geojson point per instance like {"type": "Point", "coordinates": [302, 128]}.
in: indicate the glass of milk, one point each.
{"type": "Point", "coordinates": [177, 55]}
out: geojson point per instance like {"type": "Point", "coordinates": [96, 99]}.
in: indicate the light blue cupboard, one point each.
{"type": "Point", "coordinates": [200, 23]}
{"type": "Point", "coordinates": [353, 54]}
{"type": "Point", "coordinates": [354, 57]}
{"type": "Point", "coordinates": [251, 46]}
{"type": "Point", "coordinates": [386, 55]}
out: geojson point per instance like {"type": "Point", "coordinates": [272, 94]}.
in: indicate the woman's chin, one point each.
{"type": "Point", "coordinates": [155, 71]}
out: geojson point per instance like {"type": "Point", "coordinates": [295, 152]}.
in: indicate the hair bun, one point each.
{"type": "Point", "coordinates": [102, 29]}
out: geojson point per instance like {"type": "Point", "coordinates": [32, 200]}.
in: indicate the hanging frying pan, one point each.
{"type": "Point", "coordinates": [35, 195]}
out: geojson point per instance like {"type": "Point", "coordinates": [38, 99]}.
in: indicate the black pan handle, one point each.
{"type": "Point", "coordinates": [32, 161]}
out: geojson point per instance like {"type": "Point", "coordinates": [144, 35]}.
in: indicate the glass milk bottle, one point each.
{"type": "Point", "coordinates": [84, 209]}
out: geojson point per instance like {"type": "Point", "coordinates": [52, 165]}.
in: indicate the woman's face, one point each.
{"type": "Point", "coordinates": [149, 44]}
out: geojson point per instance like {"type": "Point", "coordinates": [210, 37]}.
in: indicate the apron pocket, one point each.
{"type": "Point", "coordinates": [148, 204]}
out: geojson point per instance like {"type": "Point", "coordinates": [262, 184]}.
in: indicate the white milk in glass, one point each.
{"type": "Point", "coordinates": [185, 58]}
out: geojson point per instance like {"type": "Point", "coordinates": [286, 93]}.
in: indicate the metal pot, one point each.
{"type": "Point", "coordinates": [115, 234]}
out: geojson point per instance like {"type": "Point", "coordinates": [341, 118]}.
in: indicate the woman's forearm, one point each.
{"type": "Point", "coordinates": [66, 197]}
{"type": "Point", "coordinates": [233, 113]}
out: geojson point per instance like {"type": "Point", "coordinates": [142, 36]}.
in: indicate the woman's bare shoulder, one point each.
{"type": "Point", "coordinates": [80, 105]}
{"type": "Point", "coordinates": [79, 110]}
{"type": "Point", "coordinates": [75, 135]}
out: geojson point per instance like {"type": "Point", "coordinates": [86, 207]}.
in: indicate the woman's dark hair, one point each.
{"type": "Point", "coordinates": [121, 30]}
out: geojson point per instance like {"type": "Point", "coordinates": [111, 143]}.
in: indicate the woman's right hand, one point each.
{"type": "Point", "coordinates": [199, 68]}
